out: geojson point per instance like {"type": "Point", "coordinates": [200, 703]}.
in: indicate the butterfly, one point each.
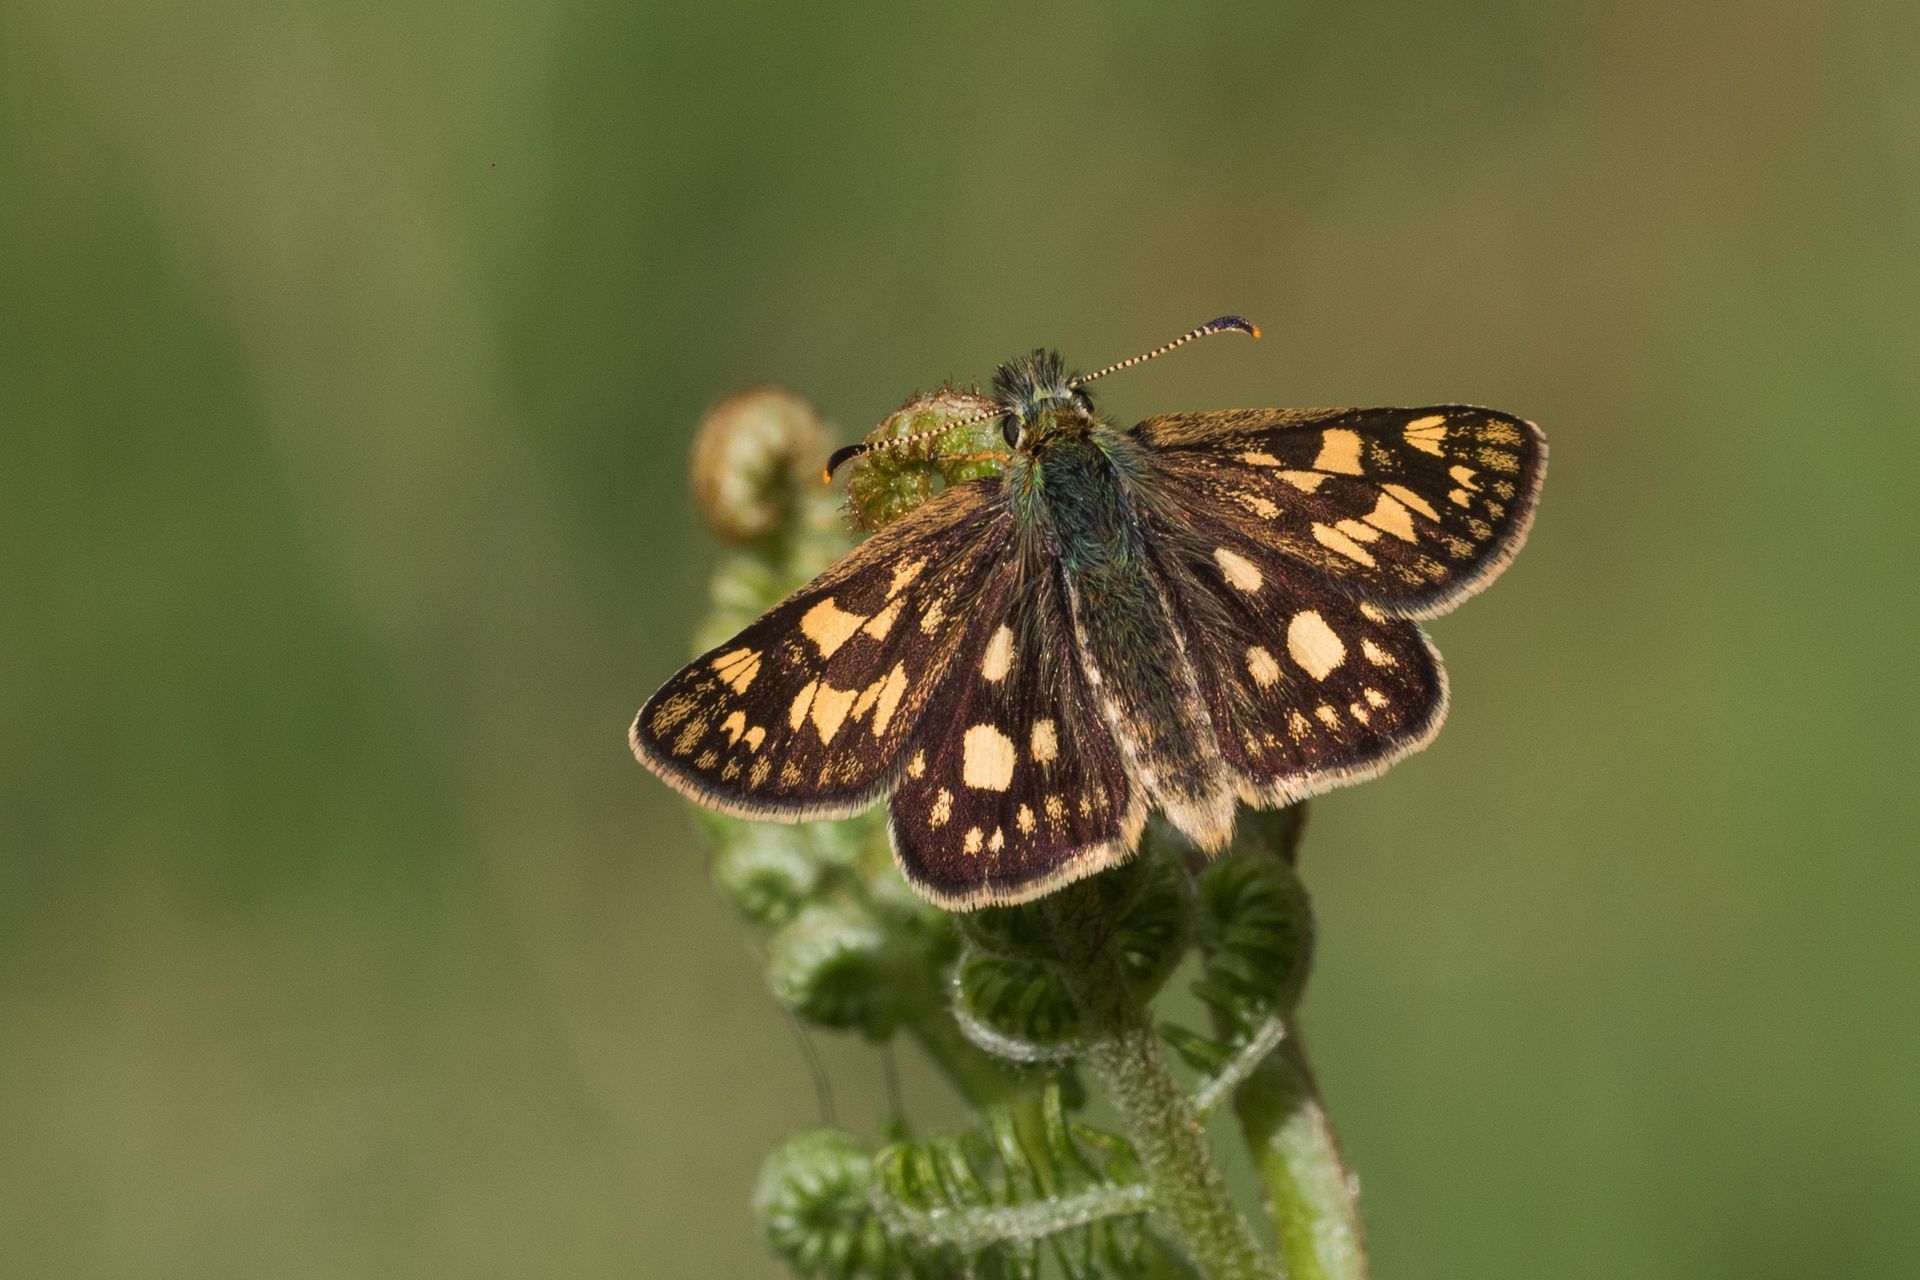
{"type": "Point", "coordinates": [1205, 610]}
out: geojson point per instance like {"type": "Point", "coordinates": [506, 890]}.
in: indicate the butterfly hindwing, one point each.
{"type": "Point", "coordinates": [1306, 687]}
{"type": "Point", "coordinates": [1410, 509]}
{"type": "Point", "coordinates": [804, 713]}
{"type": "Point", "coordinates": [1012, 783]}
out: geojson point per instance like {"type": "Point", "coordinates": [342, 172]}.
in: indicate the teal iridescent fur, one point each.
{"type": "Point", "coordinates": [1076, 486]}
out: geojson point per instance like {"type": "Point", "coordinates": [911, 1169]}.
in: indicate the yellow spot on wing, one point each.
{"type": "Point", "coordinates": [737, 668]}
{"type": "Point", "coordinates": [1358, 531]}
{"type": "Point", "coordinates": [1375, 697]}
{"type": "Point", "coordinates": [917, 767]}
{"type": "Point", "coordinates": [889, 699]}
{"type": "Point", "coordinates": [1240, 572]}
{"type": "Point", "coordinates": [830, 707]}
{"type": "Point", "coordinates": [1304, 481]}
{"type": "Point", "coordinates": [797, 711]}
{"type": "Point", "coordinates": [1339, 451]}
{"type": "Point", "coordinates": [1044, 744]}
{"type": "Point", "coordinates": [1425, 434]}
{"type": "Point", "coordinates": [931, 619]}
{"type": "Point", "coordinates": [1327, 716]}
{"type": "Point", "coordinates": [974, 840]}
{"type": "Point", "coordinates": [987, 759]}
{"type": "Point", "coordinates": [1389, 515]}
{"type": "Point", "coordinates": [882, 622]}
{"type": "Point", "coordinates": [1375, 654]}
{"type": "Point", "coordinates": [1500, 433]}
{"type": "Point", "coordinates": [1313, 644]}
{"type": "Point", "coordinates": [1464, 476]}
{"type": "Point", "coordinates": [999, 656]}
{"type": "Point", "coordinates": [733, 726]}
{"type": "Point", "coordinates": [1336, 540]}
{"type": "Point", "coordinates": [998, 841]}
{"type": "Point", "coordinates": [1265, 508]}
{"type": "Point", "coordinates": [1412, 499]}
{"type": "Point", "coordinates": [755, 736]}
{"type": "Point", "coordinates": [942, 809]}
{"type": "Point", "coordinates": [1262, 667]}
{"type": "Point", "coordinates": [829, 626]}
{"type": "Point", "coordinates": [1260, 459]}
{"type": "Point", "coordinates": [1025, 820]}
{"type": "Point", "coordinates": [904, 574]}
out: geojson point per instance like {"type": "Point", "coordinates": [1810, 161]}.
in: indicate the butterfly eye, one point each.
{"type": "Point", "coordinates": [1010, 431]}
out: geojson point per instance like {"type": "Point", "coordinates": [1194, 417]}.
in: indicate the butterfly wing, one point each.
{"type": "Point", "coordinates": [804, 714]}
{"type": "Point", "coordinates": [1296, 546]}
{"type": "Point", "coordinates": [1306, 687]}
{"type": "Point", "coordinates": [1411, 510]}
{"type": "Point", "coordinates": [1012, 784]}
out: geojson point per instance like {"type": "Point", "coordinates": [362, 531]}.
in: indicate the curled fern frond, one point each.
{"type": "Point", "coordinates": [1014, 1008]}
{"type": "Point", "coordinates": [1008, 995]}
{"type": "Point", "coordinates": [1149, 902]}
{"type": "Point", "coordinates": [767, 873]}
{"type": "Point", "coordinates": [1255, 929]}
{"type": "Point", "coordinates": [887, 482]}
{"type": "Point", "coordinates": [813, 1204]}
{"type": "Point", "coordinates": [993, 1199]}
{"type": "Point", "coordinates": [752, 459]}
{"type": "Point", "coordinates": [833, 965]}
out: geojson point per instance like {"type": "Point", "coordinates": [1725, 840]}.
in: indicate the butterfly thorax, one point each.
{"type": "Point", "coordinates": [1075, 486]}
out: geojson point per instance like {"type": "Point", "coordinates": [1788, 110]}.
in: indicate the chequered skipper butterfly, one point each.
{"type": "Point", "coordinates": [1204, 610]}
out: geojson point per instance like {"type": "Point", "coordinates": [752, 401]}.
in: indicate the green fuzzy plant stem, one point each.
{"type": "Point", "coordinates": [1310, 1195]}
{"type": "Point", "coordinates": [1123, 1053]}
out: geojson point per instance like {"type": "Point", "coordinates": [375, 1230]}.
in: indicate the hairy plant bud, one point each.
{"type": "Point", "coordinates": [753, 457]}
{"type": "Point", "coordinates": [886, 483]}
{"type": "Point", "coordinates": [766, 872]}
{"type": "Point", "coordinates": [812, 1204]}
{"type": "Point", "coordinates": [831, 965]}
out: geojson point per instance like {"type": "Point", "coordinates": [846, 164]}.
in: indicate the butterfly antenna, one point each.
{"type": "Point", "coordinates": [1224, 324]}
{"type": "Point", "coordinates": [846, 453]}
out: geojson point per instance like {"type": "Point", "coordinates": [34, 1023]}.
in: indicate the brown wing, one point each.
{"type": "Point", "coordinates": [1298, 544]}
{"type": "Point", "coordinates": [1013, 784]}
{"type": "Point", "coordinates": [1412, 510]}
{"type": "Point", "coordinates": [804, 714]}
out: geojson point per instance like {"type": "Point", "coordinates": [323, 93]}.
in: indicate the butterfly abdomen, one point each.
{"type": "Point", "coordinates": [1126, 639]}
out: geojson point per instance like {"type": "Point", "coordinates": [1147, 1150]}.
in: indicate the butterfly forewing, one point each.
{"type": "Point", "coordinates": [1012, 783]}
{"type": "Point", "coordinates": [1409, 509]}
{"type": "Point", "coordinates": [804, 713]}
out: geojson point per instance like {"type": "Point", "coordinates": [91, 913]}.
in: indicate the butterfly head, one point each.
{"type": "Point", "coordinates": [1040, 399]}
{"type": "Point", "coordinates": [1036, 399]}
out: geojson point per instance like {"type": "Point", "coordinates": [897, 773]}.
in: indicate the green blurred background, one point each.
{"type": "Point", "coordinates": [349, 356]}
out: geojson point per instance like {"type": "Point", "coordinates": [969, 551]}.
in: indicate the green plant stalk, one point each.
{"type": "Point", "coordinates": [1310, 1195]}
{"type": "Point", "coordinates": [1123, 1053]}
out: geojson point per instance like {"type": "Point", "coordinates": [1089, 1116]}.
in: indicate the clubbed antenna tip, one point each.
{"type": "Point", "coordinates": [1223, 324]}
{"type": "Point", "coordinates": [839, 458]}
